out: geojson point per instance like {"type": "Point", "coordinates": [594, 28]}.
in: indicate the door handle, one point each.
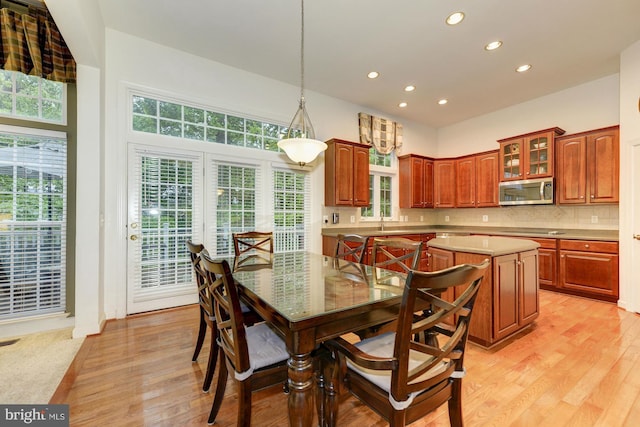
{"type": "Point", "coordinates": [636, 236]}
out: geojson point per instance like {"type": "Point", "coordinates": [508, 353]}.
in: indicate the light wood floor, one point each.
{"type": "Point", "coordinates": [578, 366]}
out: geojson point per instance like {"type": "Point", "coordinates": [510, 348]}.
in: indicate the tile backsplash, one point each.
{"type": "Point", "coordinates": [601, 217]}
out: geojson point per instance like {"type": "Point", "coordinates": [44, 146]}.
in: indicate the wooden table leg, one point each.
{"type": "Point", "coordinates": [301, 407]}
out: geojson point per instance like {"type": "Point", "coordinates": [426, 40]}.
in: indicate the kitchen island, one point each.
{"type": "Point", "coordinates": [507, 301]}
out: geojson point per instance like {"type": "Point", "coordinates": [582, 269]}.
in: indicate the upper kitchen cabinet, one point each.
{"type": "Point", "coordinates": [477, 180]}
{"type": "Point", "coordinates": [588, 167]}
{"type": "Point", "coordinates": [444, 180]}
{"type": "Point", "coordinates": [528, 156]}
{"type": "Point", "coordinates": [416, 181]}
{"type": "Point", "coordinates": [346, 174]}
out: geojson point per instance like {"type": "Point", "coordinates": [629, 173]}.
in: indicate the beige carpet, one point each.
{"type": "Point", "coordinates": [31, 369]}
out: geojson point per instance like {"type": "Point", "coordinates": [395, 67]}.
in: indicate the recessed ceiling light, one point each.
{"type": "Point", "coordinates": [410, 88]}
{"type": "Point", "coordinates": [523, 68]}
{"type": "Point", "coordinates": [373, 74]}
{"type": "Point", "coordinates": [455, 18]}
{"type": "Point", "coordinates": [402, 104]}
{"type": "Point", "coordinates": [493, 45]}
{"type": "Point", "coordinates": [443, 101]}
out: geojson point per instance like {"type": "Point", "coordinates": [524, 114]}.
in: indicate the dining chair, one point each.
{"type": "Point", "coordinates": [398, 377]}
{"type": "Point", "coordinates": [396, 253]}
{"type": "Point", "coordinates": [253, 247]}
{"type": "Point", "coordinates": [255, 355]}
{"type": "Point", "coordinates": [352, 247]}
{"type": "Point", "coordinates": [206, 316]}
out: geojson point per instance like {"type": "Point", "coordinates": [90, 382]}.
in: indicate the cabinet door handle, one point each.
{"type": "Point", "coordinates": [593, 197]}
{"type": "Point", "coordinates": [636, 236]}
{"type": "Point", "coordinates": [586, 245]}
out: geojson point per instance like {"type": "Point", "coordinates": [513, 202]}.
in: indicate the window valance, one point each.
{"type": "Point", "coordinates": [33, 45]}
{"type": "Point", "coordinates": [384, 134]}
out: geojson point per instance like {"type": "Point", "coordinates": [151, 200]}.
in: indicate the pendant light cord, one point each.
{"type": "Point", "coordinates": [302, 54]}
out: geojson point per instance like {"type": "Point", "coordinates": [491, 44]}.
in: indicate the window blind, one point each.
{"type": "Point", "coordinates": [33, 215]}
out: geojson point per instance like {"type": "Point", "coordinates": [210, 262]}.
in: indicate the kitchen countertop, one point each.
{"type": "Point", "coordinates": [547, 233]}
{"type": "Point", "coordinates": [486, 245]}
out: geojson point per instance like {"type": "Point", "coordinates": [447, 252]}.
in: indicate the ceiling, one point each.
{"type": "Point", "coordinates": [567, 42]}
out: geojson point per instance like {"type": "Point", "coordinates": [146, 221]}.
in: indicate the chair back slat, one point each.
{"type": "Point", "coordinates": [423, 288]}
{"type": "Point", "coordinates": [253, 248]}
{"type": "Point", "coordinates": [351, 247]}
{"type": "Point", "coordinates": [399, 254]}
{"type": "Point", "coordinates": [228, 313]}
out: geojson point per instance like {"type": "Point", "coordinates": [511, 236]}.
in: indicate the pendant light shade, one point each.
{"type": "Point", "coordinates": [300, 143]}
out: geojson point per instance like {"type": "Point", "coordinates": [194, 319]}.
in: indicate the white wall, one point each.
{"type": "Point", "coordinates": [629, 177]}
{"type": "Point", "coordinates": [589, 106]}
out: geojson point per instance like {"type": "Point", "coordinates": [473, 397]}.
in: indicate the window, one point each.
{"type": "Point", "coordinates": [32, 98]}
{"type": "Point", "coordinates": [291, 206]}
{"type": "Point", "coordinates": [183, 121]}
{"type": "Point", "coordinates": [237, 204]}
{"type": "Point", "coordinates": [238, 190]}
{"type": "Point", "coordinates": [381, 175]}
{"type": "Point", "coordinates": [33, 213]}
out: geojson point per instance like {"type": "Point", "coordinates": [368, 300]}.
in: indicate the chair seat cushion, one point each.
{"type": "Point", "coordinates": [382, 346]}
{"type": "Point", "coordinates": [265, 346]}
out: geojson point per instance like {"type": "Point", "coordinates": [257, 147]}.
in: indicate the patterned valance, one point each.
{"type": "Point", "coordinates": [33, 45]}
{"type": "Point", "coordinates": [385, 135]}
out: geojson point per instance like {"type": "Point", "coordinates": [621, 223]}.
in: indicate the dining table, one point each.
{"type": "Point", "coordinates": [309, 298]}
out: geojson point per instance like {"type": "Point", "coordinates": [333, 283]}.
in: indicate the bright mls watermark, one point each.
{"type": "Point", "coordinates": [34, 415]}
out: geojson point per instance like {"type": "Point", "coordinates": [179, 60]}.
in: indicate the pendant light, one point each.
{"type": "Point", "coordinates": [300, 143]}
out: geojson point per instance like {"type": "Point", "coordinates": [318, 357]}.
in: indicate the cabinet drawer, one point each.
{"type": "Point", "coordinates": [589, 246]}
{"type": "Point", "coordinates": [546, 243]}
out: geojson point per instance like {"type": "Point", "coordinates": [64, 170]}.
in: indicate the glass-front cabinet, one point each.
{"type": "Point", "coordinates": [528, 156]}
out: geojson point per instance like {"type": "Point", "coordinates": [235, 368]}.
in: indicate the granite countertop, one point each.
{"type": "Point", "coordinates": [538, 233]}
{"type": "Point", "coordinates": [486, 245]}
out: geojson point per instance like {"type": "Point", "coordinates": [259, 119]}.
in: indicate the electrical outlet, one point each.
{"type": "Point", "coordinates": [352, 219]}
{"type": "Point", "coordinates": [594, 219]}
{"type": "Point", "coordinates": [421, 218]}
{"type": "Point", "coordinates": [325, 219]}
{"type": "Point", "coordinates": [485, 218]}
{"type": "Point", "coordinates": [406, 218]}
{"type": "Point", "coordinates": [446, 218]}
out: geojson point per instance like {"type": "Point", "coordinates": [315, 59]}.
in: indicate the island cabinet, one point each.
{"type": "Point", "coordinates": [477, 180]}
{"type": "Point", "coordinates": [444, 179]}
{"type": "Point", "coordinates": [346, 173]}
{"type": "Point", "coordinates": [547, 262]}
{"type": "Point", "coordinates": [507, 300]}
{"type": "Point", "coordinates": [588, 167]}
{"type": "Point", "coordinates": [416, 181]}
{"type": "Point", "coordinates": [528, 156]}
{"type": "Point", "coordinates": [589, 268]}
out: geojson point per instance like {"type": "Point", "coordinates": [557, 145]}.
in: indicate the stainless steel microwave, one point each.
{"type": "Point", "coordinates": [527, 192]}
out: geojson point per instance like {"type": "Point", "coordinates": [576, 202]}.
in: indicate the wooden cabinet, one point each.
{"type": "Point", "coordinates": [477, 180]}
{"type": "Point", "coordinates": [588, 167]}
{"type": "Point", "coordinates": [416, 182]}
{"type": "Point", "coordinates": [444, 179]}
{"type": "Point", "coordinates": [346, 174]}
{"type": "Point", "coordinates": [508, 297]}
{"type": "Point", "coordinates": [528, 156]}
{"type": "Point", "coordinates": [515, 278]}
{"type": "Point", "coordinates": [589, 268]}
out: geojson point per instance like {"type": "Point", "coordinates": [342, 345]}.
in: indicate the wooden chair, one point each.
{"type": "Point", "coordinates": [351, 247]}
{"type": "Point", "coordinates": [206, 316]}
{"type": "Point", "coordinates": [253, 247]}
{"type": "Point", "coordinates": [399, 253]}
{"type": "Point", "coordinates": [400, 378]}
{"type": "Point", "coordinates": [256, 356]}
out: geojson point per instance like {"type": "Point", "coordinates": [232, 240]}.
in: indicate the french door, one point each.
{"type": "Point", "coordinates": [165, 208]}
